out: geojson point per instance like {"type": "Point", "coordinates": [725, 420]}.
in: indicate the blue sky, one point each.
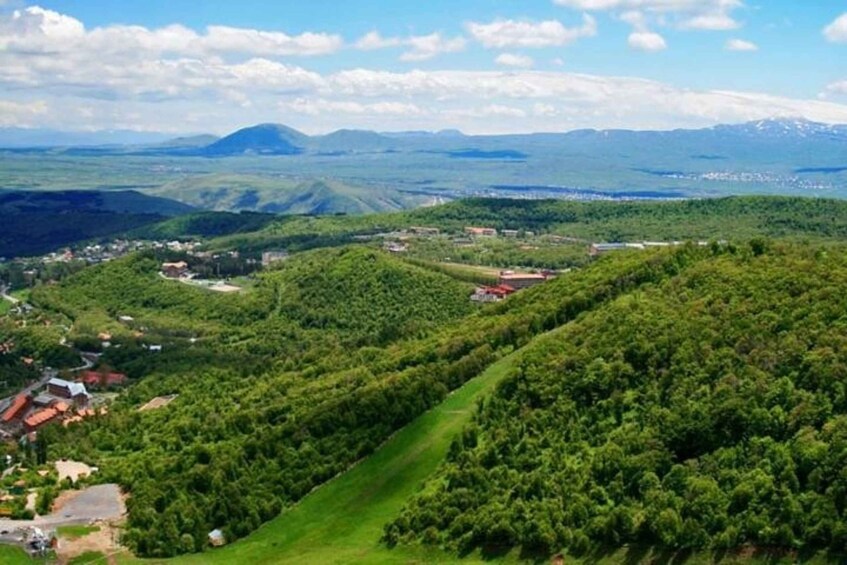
{"type": "Point", "coordinates": [480, 65]}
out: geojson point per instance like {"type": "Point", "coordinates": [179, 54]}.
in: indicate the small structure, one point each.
{"type": "Point", "coordinates": [519, 281]}
{"type": "Point", "coordinates": [271, 257]}
{"type": "Point", "coordinates": [98, 379]}
{"type": "Point", "coordinates": [395, 247]}
{"type": "Point", "coordinates": [175, 270]}
{"type": "Point", "coordinates": [418, 230]}
{"type": "Point", "coordinates": [509, 233]}
{"type": "Point", "coordinates": [17, 409]}
{"type": "Point", "coordinates": [492, 293]}
{"type": "Point", "coordinates": [43, 400]}
{"type": "Point", "coordinates": [68, 390]}
{"type": "Point", "coordinates": [481, 232]}
{"type": "Point", "coordinates": [216, 538]}
{"type": "Point", "coordinates": [40, 418]}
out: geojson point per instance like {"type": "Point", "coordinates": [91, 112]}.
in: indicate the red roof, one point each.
{"type": "Point", "coordinates": [93, 378]}
{"type": "Point", "coordinates": [18, 406]}
{"type": "Point", "coordinates": [41, 417]}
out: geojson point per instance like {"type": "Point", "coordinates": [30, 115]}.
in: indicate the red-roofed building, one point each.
{"type": "Point", "coordinates": [40, 418]}
{"type": "Point", "coordinates": [17, 409]}
{"type": "Point", "coordinates": [95, 379]}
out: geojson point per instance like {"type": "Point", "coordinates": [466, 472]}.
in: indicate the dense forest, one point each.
{"type": "Point", "coordinates": [708, 410]}
{"type": "Point", "coordinates": [688, 397]}
{"type": "Point", "coordinates": [280, 396]}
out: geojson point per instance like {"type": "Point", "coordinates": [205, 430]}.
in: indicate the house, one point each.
{"type": "Point", "coordinates": [68, 390]}
{"type": "Point", "coordinates": [418, 230]}
{"type": "Point", "coordinates": [271, 257]}
{"type": "Point", "coordinates": [492, 293]}
{"type": "Point", "coordinates": [596, 249]}
{"type": "Point", "coordinates": [97, 379]}
{"type": "Point", "coordinates": [520, 280]}
{"type": "Point", "coordinates": [17, 409]}
{"type": "Point", "coordinates": [509, 233]}
{"type": "Point", "coordinates": [481, 232]}
{"type": "Point", "coordinates": [175, 270]}
{"type": "Point", "coordinates": [395, 247]}
{"type": "Point", "coordinates": [40, 418]}
{"type": "Point", "coordinates": [216, 538]}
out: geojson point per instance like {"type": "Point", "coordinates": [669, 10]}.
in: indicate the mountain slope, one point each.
{"type": "Point", "coordinates": [38, 222]}
{"type": "Point", "coordinates": [704, 412]}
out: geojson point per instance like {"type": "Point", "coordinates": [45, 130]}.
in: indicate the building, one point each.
{"type": "Point", "coordinates": [481, 232]}
{"type": "Point", "coordinates": [509, 233]}
{"type": "Point", "coordinates": [418, 230]}
{"type": "Point", "coordinates": [395, 247]}
{"type": "Point", "coordinates": [40, 418]}
{"type": "Point", "coordinates": [520, 280]}
{"type": "Point", "coordinates": [596, 249]}
{"type": "Point", "coordinates": [17, 409]}
{"type": "Point", "coordinates": [68, 390]}
{"type": "Point", "coordinates": [271, 257]}
{"type": "Point", "coordinates": [175, 270]}
{"type": "Point", "coordinates": [96, 379]}
{"type": "Point", "coordinates": [492, 293]}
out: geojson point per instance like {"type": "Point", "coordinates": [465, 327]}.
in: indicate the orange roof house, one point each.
{"type": "Point", "coordinates": [38, 419]}
{"type": "Point", "coordinates": [17, 409]}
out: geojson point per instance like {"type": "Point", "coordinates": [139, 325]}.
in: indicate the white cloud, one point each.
{"type": "Point", "coordinates": [740, 45]}
{"type": "Point", "coordinates": [317, 106]}
{"type": "Point", "coordinates": [836, 88]}
{"type": "Point", "coordinates": [173, 79]}
{"type": "Point", "coordinates": [37, 30]}
{"type": "Point", "coordinates": [647, 41]}
{"type": "Point", "coordinates": [423, 47]}
{"type": "Point", "coordinates": [836, 32]}
{"type": "Point", "coordinates": [686, 14]}
{"type": "Point", "coordinates": [20, 114]}
{"type": "Point", "coordinates": [373, 40]}
{"type": "Point", "coordinates": [501, 34]}
{"type": "Point", "coordinates": [513, 60]}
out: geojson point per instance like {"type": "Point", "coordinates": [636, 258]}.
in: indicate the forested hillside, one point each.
{"type": "Point", "coordinates": [243, 440]}
{"type": "Point", "coordinates": [737, 218]}
{"type": "Point", "coordinates": [705, 410]}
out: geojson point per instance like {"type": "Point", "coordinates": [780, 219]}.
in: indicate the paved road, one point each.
{"type": "Point", "coordinates": [101, 502]}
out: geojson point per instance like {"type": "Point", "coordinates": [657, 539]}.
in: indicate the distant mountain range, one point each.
{"type": "Point", "coordinates": [277, 139]}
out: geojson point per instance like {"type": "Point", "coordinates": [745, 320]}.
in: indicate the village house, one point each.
{"type": "Point", "coordinates": [96, 379]}
{"type": "Point", "coordinates": [481, 232]}
{"type": "Point", "coordinates": [492, 293]}
{"type": "Point", "coordinates": [509, 233]}
{"type": "Point", "coordinates": [418, 230]}
{"type": "Point", "coordinates": [17, 409]}
{"type": "Point", "coordinates": [271, 257]}
{"type": "Point", "coordinates": [40, 418]}
{"type": "Point", "coordinates": [519, 281]}
{"type": "Point", "coordinates": [68, 390]}
{"type": "Point", "coordinates": [175, 270]}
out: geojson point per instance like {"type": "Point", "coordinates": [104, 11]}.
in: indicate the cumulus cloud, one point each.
{"type": "Point", "coordinates": [647, 41]}
{"type": "Point", "coordinates": [740, 45]}
{"type": "Point", "coordinates": [836, 88]}
{"type": "Point", "coordinates": [836, 32]}
{"type": "Point", "coordinates": [501, 34]}
{"type": "Point", "coordinates": [19, 114]}
{"type": "Point", "coordinates": [423, 47]}
{"type": "Point", "coordinates": [513, 60]}
{"type": "Point", "coordinates": [170, 79]}
{"type": "Point", "coordinates": [374, 40]}
{"type": "Point", "coordinates": [686, 14]}
{"type": "Point", "coordinates": [37, 30]}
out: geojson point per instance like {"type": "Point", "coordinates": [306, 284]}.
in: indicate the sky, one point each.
{"type": "Point", "coordinates": [482, 66]}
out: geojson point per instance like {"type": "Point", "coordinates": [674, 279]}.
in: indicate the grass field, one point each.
{"type": "Point", "coordinates": [75, 532]}
{"type": "Point", "coordinates": [342, 521]}
{"type": "Point", "coordinates": [13, 555]}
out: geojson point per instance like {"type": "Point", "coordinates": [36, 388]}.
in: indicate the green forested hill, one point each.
{"type": "Point", "coordinates": [735, 218]}
{"type": "Point", "coordinates": [688, 397]}
{"type": "Point", "coordinates": [708, 410]}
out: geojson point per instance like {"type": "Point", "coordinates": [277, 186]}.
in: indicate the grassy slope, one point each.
{"type": "Point", "coordinates": [342, 522]}
{"type": "Point", "coordinates": [13, 555]}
